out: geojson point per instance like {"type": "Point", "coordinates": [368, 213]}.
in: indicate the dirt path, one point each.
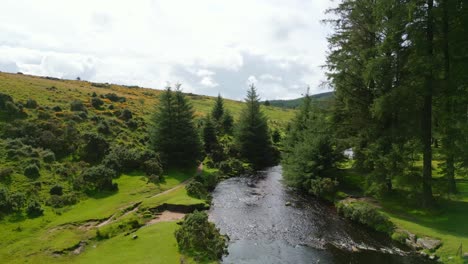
{"type": "Point", "coordinates": [182, 184]}
{"type": "Point", "coordinates": [166, 216]}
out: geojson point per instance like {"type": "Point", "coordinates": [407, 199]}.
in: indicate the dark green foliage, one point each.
{"type": "Point", "coordinates": [276, 136]}
{"type": "Point", "coordinates": [96, 102]}
{"type": "Point", "coordinates": [94, 94]}
{"type": "Point", "coordinates": [103, 127]}
{"type": "Point", "coordinates": [99, 178]}
{"type": "Point", "coordinates": [57, 109]}
{"type": "Point", "coordinates": [126, 115]}
{"type": "Point", "coordinates": [210, 140]}
{"type": "Point", "coordinates": [218, 109]}
{"type": "Point", "coordinates": [34, 209]}
{"type": "Point", "coordinates": [48, 157]}
{"type": "Point", "coordinates": [77, 106]}
{"type": "Point", "coordinates": [17, 201]}
{"type": "Point", "coordinates": [365, 214]}
{"type": "Point", "coordinates": [4, 200]}
{"type": "Point", "coordinates": [114, 97]}
{"type": "Point", "coordinates": [267, 103]}
{"type": "Point", "coordinates": [231, 167]}
{"type": "Point", "coordinates": [252, 135]}
{"type": "Point", "coordinates": [173, 132]}
{"type": "Point", "coordinates": [32, 171]}
{"type": "Point", "coordinates": [196, 189]}
{"type": "Point", "coordinates": [200, 238]}
{"type": "Point", "coordinates": [153, 167]}
{"type": "Point", "coordinates": [56, 190]}
{"type": "Point", "coordinates": [309, 153]}
{"type": "Point", "coordinates": [94, 149]}
{"type": "Point", "coordinates": [59, 201]}
{"type": "Point", "coordinates": [31, 104]}
{"type": "Point", "coordinates": [227, 123]}
{"type": "Point", "coordinates": [5, 173]}
{"type": "Point", "coordinates": [4, 98]}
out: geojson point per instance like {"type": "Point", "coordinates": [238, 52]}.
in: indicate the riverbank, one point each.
{"type": "Point", "coordinates": [116, 227]}
{"type": "Point", "coordinates": [446, 222]}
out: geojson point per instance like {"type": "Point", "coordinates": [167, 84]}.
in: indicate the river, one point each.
{"type": "Point", "coordinates": [263, 229]}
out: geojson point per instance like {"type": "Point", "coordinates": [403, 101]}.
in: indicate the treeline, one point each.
{"type": "Point", "coordinates": [398, 69]}
{"type": "Point", "coordinates": [223, 144]}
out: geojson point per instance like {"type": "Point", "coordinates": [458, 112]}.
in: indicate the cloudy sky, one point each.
{"type": "Point", "coordinates": [209, 46]}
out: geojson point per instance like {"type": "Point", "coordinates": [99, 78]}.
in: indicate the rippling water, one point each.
{"type": "Point", "coordinates": [263, 229]}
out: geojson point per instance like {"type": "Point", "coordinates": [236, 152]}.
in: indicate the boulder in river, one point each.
{"type": "Point", "coordinates": [288, 204]}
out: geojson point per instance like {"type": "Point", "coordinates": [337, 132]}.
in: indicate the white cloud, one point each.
{"type": "Point", "coordinates": [147, 42]}
{"type": "Point", "coordinates": [208, 81]}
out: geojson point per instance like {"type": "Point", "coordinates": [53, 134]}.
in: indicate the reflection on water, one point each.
{"type": "Point", "coordinates": [264, 230]}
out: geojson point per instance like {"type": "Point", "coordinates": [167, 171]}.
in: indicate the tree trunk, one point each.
{"type": "Point", "coordinates": [427, 113]}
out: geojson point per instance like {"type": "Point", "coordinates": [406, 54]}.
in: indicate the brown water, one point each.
{"type": "Point", "coordinates": [263, 229]}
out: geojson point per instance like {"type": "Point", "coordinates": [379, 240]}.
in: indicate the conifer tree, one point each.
{"type": "Point", "coordinates": [210, 140]}
{"type": "Point", "coordinates": [173, 133]}
{"type": "Point", "coordinates": [218, 109]}
{"type": "Point", "coordinates": [252, 135]}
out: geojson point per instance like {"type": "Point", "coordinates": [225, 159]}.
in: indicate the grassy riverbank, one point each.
{"type": "Point", "coordinates": [447, 221]}
{"type": "Point", "coordinates": [54, 237]}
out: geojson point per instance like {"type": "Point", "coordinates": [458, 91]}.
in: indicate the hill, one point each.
{"type": "Point", "coordinates": [59, 202]}
{"type": "Point", "coordinates": [322, 99]}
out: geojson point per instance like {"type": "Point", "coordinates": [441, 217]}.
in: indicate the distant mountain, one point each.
{"type": "Point", "coordinates": [322, 98]}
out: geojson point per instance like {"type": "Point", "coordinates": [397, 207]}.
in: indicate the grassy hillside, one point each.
{"type": "Point", "coordinates": [52, 132]}
{"type": "Point", "coordinates": [322, 99]}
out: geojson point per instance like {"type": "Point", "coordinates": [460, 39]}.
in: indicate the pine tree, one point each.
{"type": "Point", "coordinates": [227, 123]}
{"type": "Point", "coordinates": [173, 132]}
{"type": "Point", "coordinates": [218, 109]}
{"type": "Point", "coordinates": [252, 135]}
{"type": "Point", "coordinates": [210, 139]}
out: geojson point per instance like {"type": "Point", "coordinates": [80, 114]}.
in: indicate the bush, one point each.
{"type": "Point", "coordinates": [56, 190]}
{"type": "Point", "coordinates": [57, 201]}
{"type": "Point", "coordinates": [4, 199]}
{"type": "Point", "coordinates": [99, 178]}
{"type": "Point", "coordinates": [115, 98]}
{"type": "Point", "coordinates": [200, 238]}
{"type": "Point", "coordinates": [103, 127]}
{"type": "Point", "coordinates": [32, 171]}
{"type": "Point", "coordinates": [323, 187]}
{"type": "Point", "coordinates": [5, 173]}
{"type": "Point", "coordinates": [153, 167]}
{"type": "Point", "coordinates": [95, 147]}
{"type": "Point", "coordinates": [196, 189]}
{"type": "Point", "coordinates": [231, 167]}
{"type": "Point", "coordinates": [366, 215]}
{"type": "Point", "coordinates": [48, 157]}
{"type": "Point", "coordinates": [31, 104]}
{"type": "Point", "coordinates": [57, 108]}
{"type": "Point", "coordinates": [4, 98]}
{"type": "Point", "coordinates": [126, 115]}
{"type": "Point", "coordinates": [34, 209]}
{"type": "Point", "coordinates": [17, 201]}
{"type": "Point", "coordinates": [77, 106]}
{"type": "Point", "coordinates": [96, 102]}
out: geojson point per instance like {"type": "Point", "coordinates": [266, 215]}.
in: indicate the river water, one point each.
{"type": "Point", "coordinates": [263, 229]}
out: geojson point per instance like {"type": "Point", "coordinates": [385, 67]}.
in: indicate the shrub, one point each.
{"type": "Point", "coordinates": [4, 200]}
{"type": "Point", "coordinates": [196, 189]}
{"type": "Point", "coordinates": [96, 102]}
{"type": "Point", "coordinates": [126, 115]}
{"type": "Point", "coordinates": [57, 201]}
{"type": "Point", "coordinates": [57, 108]}
{"type": "Point", "coordinates": [17, 201]}
{"type": "Point", "coordinates": [32, 171]}
{"type": "Point", "coordinates": [200, 238]}
{"type": "Point", "coordinates": [31, 104]}
{"type": "Point", "coordinates": [114, 98]}
{"type": "Point", "coordinates": [94, 94]}
{"type": "Point", "coordinates": [56, 190]}
{"type": "Point", "coordinates": [95, 147]}
{"type": "Point", "coordinates": [231, 167]}
{"type": "Point", "coordinates": [48, 157]}
{"type": "Point", "coordinates": [323, 187]}
{"type": "Point", "coordinates": [11, 108]}
{"type": "Point", "coordinates": [99, 178]}
{"type": "Point", "coordinates": [400, 236]}
{"type": "Point", "coordinates": [77, 106]}
{"type": "Point", "coordinates": [34, 209]}
{"type": "Point", "coordinates": [366, 215]}
{"type": "Point", "coordinates": [4, 98]}
{"type": "Point", "coordinates": [5, 173]}
{"type": "Point", "coordinates": [103, 127]}
{"type": "Point", "coordinates": [132, 124]}
{"type": "Point", "coordinates": [153, 167]}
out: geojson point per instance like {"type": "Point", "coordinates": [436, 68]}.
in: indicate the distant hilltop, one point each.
{"type": "Point", "coordinates": [321, 98]}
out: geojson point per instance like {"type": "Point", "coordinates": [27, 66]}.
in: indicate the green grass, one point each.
{"type": "Point", "coordinates": [34, 240]}
{"type": "Point", "coordinates": [448, 221]}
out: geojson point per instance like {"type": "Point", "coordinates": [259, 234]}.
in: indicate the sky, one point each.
{"type": "Point", "coordinates": [209, 46]}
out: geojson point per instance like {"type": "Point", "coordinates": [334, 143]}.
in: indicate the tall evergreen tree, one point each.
{"type": "Point", "coordinates": [210, 140]}
{"type": "Point", "coordinates": [173, 133]}
{"type": "Point", "coordinates": [252, 135]}
{"type": "Point", "coordinates": [218, 109]}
